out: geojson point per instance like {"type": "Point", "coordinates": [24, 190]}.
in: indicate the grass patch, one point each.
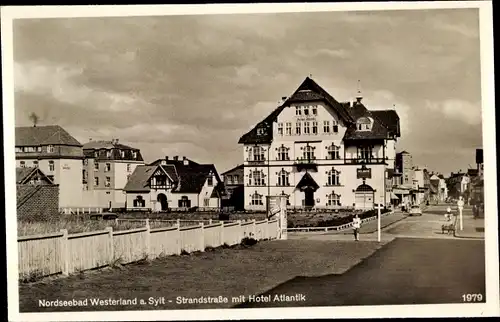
{"type": "Point", "coordinates": [225, 272]}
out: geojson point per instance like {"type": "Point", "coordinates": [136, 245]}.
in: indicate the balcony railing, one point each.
{"type": "Point", "coordinates": [365, 161]}
{"type": "Point", "coordinates": [306, 164]}
{"type": "Point", "coordinates": [256, 162]}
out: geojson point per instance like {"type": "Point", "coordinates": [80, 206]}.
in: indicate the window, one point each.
{"type": "Point", "coordinates": [129, 168]}
{"type": "Point", "coordinates": [306, 110]}
{"type": "Point", "coordinates": [96, 165]}
{"type": "Point", "coordinates": [280, 128]}
{"type": "Point", "coordinates": [283, 178]}
{"type": "Point", "coordinates": [38, 149]}
{"type": "Point", "coordinates": [50, 149]}
{"type": "Point", "coordinates": [184, 202]}
{"type": "Point", "coordinates": [258, 153]}
{"type": "Point", "coordinates": [288, 128]}
{"type": "Point", "coordinates": [18, 149]}
{"type": "Point", "coordinates": [108, 153]}
{"type": "Point", "coordinates": [283, 153]}
{"type": "Point", "coordinates": [96, 181]}
{"type": "Point", "coordinates": [333, 152]}
{"type": "Point", "coordinates": [139, 202]}
{"type": "Point", "coordinates": [210, 181]}
{"type": "Point", "coordinates": [298, 111]}
{"type": "Point", "coordinates": [365, 152]}
{"type": "Point", "coordinates": [326, 126]}
{"type": "Point", "coordinates": [128, 177]}
{"type": "Point", "coordinates": [256, 199]}
{"type": "Point", "coordinates": [30, 149]}
{"type": "Point", "coordinates": [134, 155]}
{"type": "Point", "coordinates": [297, 128]}
{"type": "Point", "coordinates": [35, 164]}
{"type": "Point", "coordinates": [85, 162]}
{"type": "Point", "coordinates": [308, 153]}
{"type": "Point", "coordinates": [256, 178]}
{"type": "Point", "coordinates": [315, 110]}
{"type": "Point", "coordinates": [84, 176]}
{"type": "Point", "coordinates": [364, 123]}
{"type": "Point", "coordinates": [306, 128]}
{"type": "Point", "coordinates": [122, 153]}
{"type": "Point", "coordinates": [108, 167]}
{"type": "Point", "coordinates": [206, 202]}
{"type": "Point", "coordinates": [333, 177]}
{"type": "Point", "coordinates": [333, 199]}
{"type": "Point", "coordinates": [51, 166]}
{"type": "Point", "coordinates": [315, 127]}
{"type": "Point", "coordinates": [229, 179]}
{"type": "Point", "coordinates": [335, 127]}
{"type": "Point", "coordinates": [236, 179]}
{"type": "Point", "coordinates": [23, 164]}
{"type": "Point", "coordinates": [108, 182]}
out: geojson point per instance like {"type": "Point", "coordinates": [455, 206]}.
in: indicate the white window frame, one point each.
{"type": "Point", "coordinates": [288, 128]}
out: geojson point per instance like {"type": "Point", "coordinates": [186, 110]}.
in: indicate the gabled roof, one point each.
{"type": "Point", "coordinates": [378, 129]}
{"type": "Point", "coordinates": [307, 182]}
{"type": "Point", "coordinates": [308, 91]}
{"type": "Point", "coordinates": [138, 180]}
{"type": "Point", "coordinates": [390, 118]}
{"type": "Point", "coordinates": [190, 177]}
{"type": "Point", "coordinates": [44, 135]}
{"type": "Point", "coordinates": [25, 174]}
{"type": "Point", "coordinates": [238, 167]}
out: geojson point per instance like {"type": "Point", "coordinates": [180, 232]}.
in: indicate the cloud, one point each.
{"type": "Point", "coordinates": [59, 82]}
{"type": "Point", "coordinates": [466, 112]}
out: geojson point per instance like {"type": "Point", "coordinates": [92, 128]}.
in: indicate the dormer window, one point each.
{"type": "Point", "coordinates": [260, 131]}
{"type": "Point", "coordinates": [364, 124]}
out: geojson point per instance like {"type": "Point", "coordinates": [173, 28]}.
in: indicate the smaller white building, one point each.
{"type": "Point", "coordinates": [174, 184]}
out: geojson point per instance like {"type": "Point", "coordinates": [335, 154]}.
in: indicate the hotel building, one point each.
{"type": "Point", "coordinates": [320, 152]}
{"type": "Point", "coordinates": [106, 169]}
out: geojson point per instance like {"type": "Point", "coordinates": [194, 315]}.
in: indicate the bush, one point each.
{"type": "Point", "coordinates": [223, 216]}
{"type": "Point", "coordinates": [248, 241]}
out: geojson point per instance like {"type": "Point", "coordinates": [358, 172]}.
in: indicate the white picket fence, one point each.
{"type": "Point", "coordinates": [64, 253]}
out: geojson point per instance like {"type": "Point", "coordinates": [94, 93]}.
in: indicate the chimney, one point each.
{"type": "Point", "coordinates": [185, 161]}
{"type": "Point", "coordinates": [176, 158]}
{"type": "Point", "coordinates": [116, 141]}
{"type": "Point", "coordinates": [166, 157]}
{"type": "Point", "coordinates": [90, 139]}
{"type": "Point", "coordinates": [359, 97]}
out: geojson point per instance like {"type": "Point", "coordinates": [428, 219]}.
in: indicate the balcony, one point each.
{"type": "Point", "coordinates": [365, 161]}
{"type": "Point", "coordinates": [256, 162]}
{"type": "Point", "coordinates": [306, 164]}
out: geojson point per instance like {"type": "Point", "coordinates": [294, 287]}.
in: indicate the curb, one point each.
{"type": "Point", "coordinates": [381, 227]}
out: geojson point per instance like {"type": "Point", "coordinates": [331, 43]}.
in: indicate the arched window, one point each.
{"type": "Point", "coordinates": [364, 124]}
{"type": "Point", "coordinates": [256, 199]}
{"type": "Point", "coordinates": [139, 202]}
{"type": "Point", "coordinates": [333, 199]}
{"type": "Point", "coordinates": [308, 153]}
{"type": "Point", "coordinates": [333, 177]}
{"type": "Point", "coordinates": [333, 152]}
{"type": "Point", "coordinates": [256, 178]}
{"type": "Point", "coordinates": [283, 153]}
{"type": "Point", "coordinates": [283, 178]}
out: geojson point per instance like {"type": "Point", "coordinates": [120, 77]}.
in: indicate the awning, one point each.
{"type": "Point", "coordinates": [393, 196]}
{"type": "Point", "coordinates": [401, 192]}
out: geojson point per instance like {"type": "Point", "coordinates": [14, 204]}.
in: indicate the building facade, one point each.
{"type": "Point", "coordinates": [320, 153]}
{"type": "Point", "coordinates": [58, 155]}
{"type": "Point", "coordinates": [174, 184]}
{"type": "Point", "coordinates": [106, 168]}
{"type": "Point", "coordinates": [234, 186]}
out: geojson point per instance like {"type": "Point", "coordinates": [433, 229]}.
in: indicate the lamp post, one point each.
{"type": "Point", "coordinates": [379, 207]}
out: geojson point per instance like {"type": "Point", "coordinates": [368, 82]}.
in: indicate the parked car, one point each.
{"type": "Point", "coordinates": [415, 211]}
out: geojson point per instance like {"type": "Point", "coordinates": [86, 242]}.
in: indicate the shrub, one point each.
{"type": "Point", "coordinates": [248, 241]}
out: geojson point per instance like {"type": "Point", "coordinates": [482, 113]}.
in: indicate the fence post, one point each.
{"type": "Point", "coordinates": [111, 245]}
{"type": "Point", "coordinates": [240, 232]}
{"type": "Point", "coordinates": [221, 233]}
{"type": "Point", "coordinates": [179, 238]}
{"type": "Point", "coordinates": [202, 237]}
{"type": "Point", "coordinates": [210, 221]}
{"type": "Point", "coordinates": [178, 222]}
{"type": "Point", "coordinates": [65, 252]}
{"type": "Point", "coordinates": [254, 229]}
{"type": "Point", "coordinates": [148, 238]}
{"type": "Point", "coordinates": [266, 230]}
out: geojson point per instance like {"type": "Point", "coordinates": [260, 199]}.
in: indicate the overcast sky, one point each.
{"type": "Point", "coordinates": [192, 85]}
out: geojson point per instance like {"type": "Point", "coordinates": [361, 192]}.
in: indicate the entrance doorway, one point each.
{"type": "Point", "coordinates": [309, 198]}
{"type": "Point", "coordinates": [364, 197]}
{"type": "Point", "coordinates": [162, 199]}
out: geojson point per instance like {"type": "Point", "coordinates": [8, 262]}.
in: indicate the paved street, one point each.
{"type": "Point", "coordinates": [417, 265]}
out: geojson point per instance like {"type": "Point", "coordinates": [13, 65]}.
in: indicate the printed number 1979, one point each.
{"type": "Point", "coordinates": [472, 297]}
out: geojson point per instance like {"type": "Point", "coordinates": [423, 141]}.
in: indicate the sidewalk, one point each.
{"type": "Point", "coordinates": [473, 228]}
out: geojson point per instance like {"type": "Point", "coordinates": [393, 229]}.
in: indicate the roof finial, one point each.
{"type": "Point", "coordinates": [394, 106]}
{"type": "Point", "coordinates": [310, 75]}
{"type": "Point", "coordinates": [359, 97]}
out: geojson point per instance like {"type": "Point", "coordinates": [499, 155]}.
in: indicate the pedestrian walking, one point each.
{"type": "Point", "coordinates": [356, 225]}
{"type": "Point", "coordinates": [447, 215]}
